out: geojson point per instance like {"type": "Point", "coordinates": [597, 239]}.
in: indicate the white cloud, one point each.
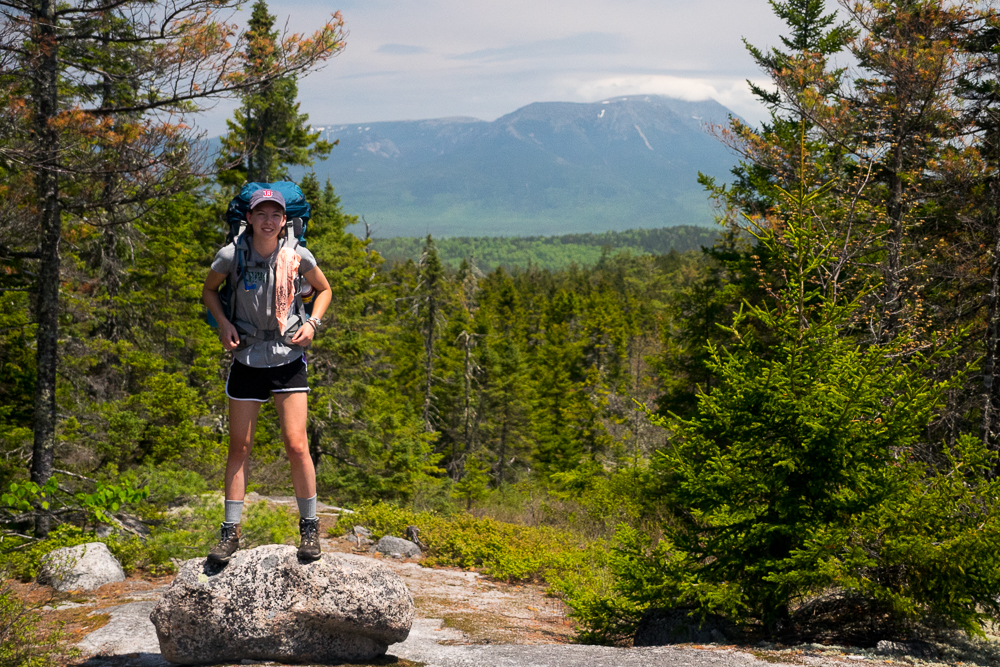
{"type": "Point", "coordinates": [730, 92]}
{"type": "Point", "coordinates": [672, 86]}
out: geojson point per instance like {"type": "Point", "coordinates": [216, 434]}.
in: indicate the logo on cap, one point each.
{"type": "Point", "coordinates": [268, 193]}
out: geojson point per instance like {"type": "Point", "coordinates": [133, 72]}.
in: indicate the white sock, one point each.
{"type": "Point", "coordinates": [234, 511]}
{"type": "Point", "coordinates": [307, 507]}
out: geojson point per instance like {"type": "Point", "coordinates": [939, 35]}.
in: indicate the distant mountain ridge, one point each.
{"type": "Point", "coordinates": [546, 169]}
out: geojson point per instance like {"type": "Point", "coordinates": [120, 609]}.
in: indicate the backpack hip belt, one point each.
{"type": "Point", "coordinates": [248, 330]}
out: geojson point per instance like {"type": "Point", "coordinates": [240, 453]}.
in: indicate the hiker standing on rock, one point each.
{"type": "Point", "coordinates": [267, 331]}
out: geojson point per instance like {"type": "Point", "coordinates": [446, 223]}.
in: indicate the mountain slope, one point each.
{"type": "Point", "coordinates": [548, 168]}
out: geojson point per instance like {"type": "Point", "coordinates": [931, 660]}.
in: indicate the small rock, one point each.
{"type": "Point", "coordinates": [83, 567]}
{"type": "Point", "coordinates": [663, 627]}
{"type": "Point", "coordinates": [413, 535]}
{"type": "Point", "coordinates": [397, 547]}
{"type": "Point", "coordinates": [360, 535]}
{"type": "Point", "coordinates": [917, 649]}
{"type": "Point", "coordinates": [267, 605]}
{"type": "Point", "coordinates": [128, 525]}
{"type": "Point", "coordinates": [135, 525]}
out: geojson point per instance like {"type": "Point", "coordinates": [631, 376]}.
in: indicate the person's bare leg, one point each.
{"type": "Point", "coordinates": [242, 426]}
{"type": "Point", "coordinates": [292, 410]}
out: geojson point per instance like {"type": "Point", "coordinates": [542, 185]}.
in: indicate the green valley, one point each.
{"type": "Point", "coordinates": [549, 252]}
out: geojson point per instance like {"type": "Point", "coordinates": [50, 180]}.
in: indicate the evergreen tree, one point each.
{"type": "Point", "coordinates": [979, 183]}
{"type": "Point", "coordinates": [456, 393]}
{"type": "Point", "coordinates": [905, 110]}
{"type": "Point", "coordinates": [472, 485]}
{"type": "Point", "coordinates": [804, 86]}
{"type": "Point", "coordinates": [267, 133]}
{"type": "Point", "coordinates": [506, 403]}
{"type": "Point", "coordinates": [558, 364]}
{"type": "Point", "coordinates": [801, 471]}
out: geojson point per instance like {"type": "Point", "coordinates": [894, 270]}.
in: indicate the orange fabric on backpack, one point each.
{"type": "Point", "coordinates": [285, 271]}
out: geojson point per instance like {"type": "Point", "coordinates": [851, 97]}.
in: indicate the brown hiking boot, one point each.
{"type": "Point", "coordinates": [229, 542]}
{"type": "Point", "coordinates": [309, 539]}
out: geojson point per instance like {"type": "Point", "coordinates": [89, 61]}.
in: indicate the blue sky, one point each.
{"type": "Point", "coordinates": [409, 60]}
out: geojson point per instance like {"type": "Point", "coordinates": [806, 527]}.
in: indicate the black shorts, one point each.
{"type": "Point", "coordinates": [247, 383]}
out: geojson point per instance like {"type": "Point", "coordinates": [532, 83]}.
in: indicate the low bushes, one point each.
{"type": "Point", "coordinates": [190, 531]}
{"type": "Point", "coordinates": [22, 642]}
{"type": "Point", "coordinates": [185, 533]}
{"type": "Point", "coordinates": [504, 551]}
{"type": "Point", "coordinates": [23, 563]}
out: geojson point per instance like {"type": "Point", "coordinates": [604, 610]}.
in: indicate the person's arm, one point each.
{"type": "Point", "coordinates": [321, 301]}
{"type": "Point", "coordinates": [210, 295]}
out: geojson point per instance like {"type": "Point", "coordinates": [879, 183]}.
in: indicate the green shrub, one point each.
{"type": "Point", "coordinates": [168, 483]}
{"type": "Point", "coordinates": [22, 642]}
{"type": "Point", "coordinates": [609, 602]}
{"type": "Point", "coordinates": [131, 552]}
{"type": "Point", "coordinates": [503, 551]}
{"type": "Point", "coordinates": [187, 533]}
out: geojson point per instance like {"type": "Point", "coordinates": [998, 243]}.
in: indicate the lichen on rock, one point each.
{"type": "Point", "coordinates": [265, 604]}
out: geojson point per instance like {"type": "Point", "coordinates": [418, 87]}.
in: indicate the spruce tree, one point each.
{"type": "Point", "coordinates": [472, 486]}
{"type": "Point", "coordinates": [803, 472]}
{"type": "Point", "coordinates": [267, 133]}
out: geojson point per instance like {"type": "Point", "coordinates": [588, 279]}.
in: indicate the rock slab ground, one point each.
{"type": "Point", "coordinates": [80, 568]}
{"type": "Point", "coordinates": [267, 605]}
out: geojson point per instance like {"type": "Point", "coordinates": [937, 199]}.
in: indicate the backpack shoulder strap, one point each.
{"type": "Point", "coordinates": [300, 307]}
{"type": "Point", "coordinates": [241, 251]}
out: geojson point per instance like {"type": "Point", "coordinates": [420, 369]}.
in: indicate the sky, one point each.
{"type": "Point", "coordinates": [408, 60]}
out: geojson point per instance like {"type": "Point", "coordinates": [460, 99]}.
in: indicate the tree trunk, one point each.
{"type": "Point", "coordinates": [991, 387]}
{"type": "Point", "coordinates": [111, 278]}
{"type": "Point", "coordinates": [503, 445]}
{"type": "Point", "coordinates": [456, 470]}
{"type": "Point", "coordinates": [315, 453]}
{"type": "Point", "coordinates": [429, 361]}
{"type": "Point", "coordinates": [893, 266]}
{"type": "Point", "coordinates": [110, 263]}
{"type": "Point", "coordinates": [991, 402]}
{"type": "Point", "coordinates": [46, 139]}
{"type": "Point", "coordinates": [467, 398]}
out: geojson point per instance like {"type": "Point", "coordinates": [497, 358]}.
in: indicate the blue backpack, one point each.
{"type": "Point", "coordinates": [297, 209]}
{"type": "Point", "coordinates": [297, 214]}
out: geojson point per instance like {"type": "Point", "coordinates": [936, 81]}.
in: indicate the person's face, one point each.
{"type": "Point", "coordinates": [267, 219]}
